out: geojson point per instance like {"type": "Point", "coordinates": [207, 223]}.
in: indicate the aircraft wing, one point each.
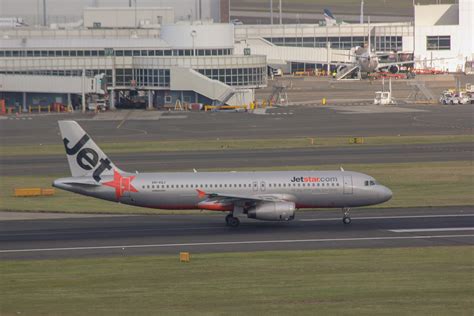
{"type": "Point", "coordinates": [399, 63]}
{"type": "Point", "coordinates": [243, 198]}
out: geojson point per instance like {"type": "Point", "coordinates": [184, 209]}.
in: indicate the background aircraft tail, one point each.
{"type": "Point", "coordinates": [85, 158]}
{"type": "Point", "coordinates": [329, 17]}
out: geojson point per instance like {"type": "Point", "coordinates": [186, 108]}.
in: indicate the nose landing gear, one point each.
{"type": "Point", "coordinates": [346, 219]}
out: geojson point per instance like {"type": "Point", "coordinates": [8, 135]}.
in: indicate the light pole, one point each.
{"type": "Point", "coordinates": [414, 32]}
{"type": "Point", "coordinates": [44, 12]}
{"type": "Point", "coordinates": [328, 52]}
{"type": "Point", "coordinates": [280, 11]}
{"type": "Point", "coordinates": [136, 14]}
{"type": "Point", "coordinates": [193, 35]}
{"type": "Point", "coordinates": [271, 11]}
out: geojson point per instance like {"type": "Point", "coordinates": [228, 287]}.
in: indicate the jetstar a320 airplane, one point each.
{"type": "Point", "coordinates": [271, 196]}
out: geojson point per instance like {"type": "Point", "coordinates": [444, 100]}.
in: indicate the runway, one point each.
{"type": "Point", "coordinates": [179, 161]}
{"type": "Point", "coordinates": [103, 236]}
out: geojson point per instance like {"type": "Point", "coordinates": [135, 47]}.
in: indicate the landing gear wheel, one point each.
{"type": "Point", "coordinates": [232, 221]}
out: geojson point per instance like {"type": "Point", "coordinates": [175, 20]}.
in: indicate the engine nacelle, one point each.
{"type": "Point", "coordinates": [394, 69]}
{"type": "Point", "coordinates": [273, 211]}
{"type": "Point", "coordinates": [341, 68]}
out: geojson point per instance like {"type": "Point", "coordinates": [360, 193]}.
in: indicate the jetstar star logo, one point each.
{"type": "Point", "coordinates": [121, 184]}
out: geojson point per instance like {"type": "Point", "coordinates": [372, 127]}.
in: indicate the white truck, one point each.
{"type": "Point", "coordinates": [383, 98]}
{"type": "Point", "coordinates": [454, 97]}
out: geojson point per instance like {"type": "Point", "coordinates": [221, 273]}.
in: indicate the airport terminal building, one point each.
{"type": "Point", "coordinates": [304, 47]}
{"type": "Point", "coordinates": [444, 35]}
{"type": "Point", "coordinates": [193, 62]}
{"type": "Point", "coordinates": [440, 36]}
{"type": "Point", "coordinates": [148, 56]}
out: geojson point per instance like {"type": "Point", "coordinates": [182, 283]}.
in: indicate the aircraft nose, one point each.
{"type": "Point", "coordinates": [385, 193]}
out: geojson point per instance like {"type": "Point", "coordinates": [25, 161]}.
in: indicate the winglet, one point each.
{"type": "Point", "coordinates": [201, 194]}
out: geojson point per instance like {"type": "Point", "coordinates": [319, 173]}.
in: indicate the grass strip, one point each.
{"type": "Point", "coordinates": [413, 184]}
{"type": "Point", "coordinates": [230, 144]}
{"type": "Point", "coordinates": [395, 281]}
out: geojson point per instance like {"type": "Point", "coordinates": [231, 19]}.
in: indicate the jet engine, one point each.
{"type": "Point", "coordinates": [273, 211]}
{"type": "Point", "coordinates": [394, 69]}
{"type": "Point", "coordinates": [341, 68]}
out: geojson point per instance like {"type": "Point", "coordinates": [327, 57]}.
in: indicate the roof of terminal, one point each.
{"type": "Point", "coordinates": [81, 43]}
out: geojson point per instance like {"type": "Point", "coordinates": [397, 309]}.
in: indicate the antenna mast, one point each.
{"type": "Point", "coordinates": [369, 48]}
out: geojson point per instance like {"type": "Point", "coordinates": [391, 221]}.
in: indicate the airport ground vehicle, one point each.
{"type": "Point", "coordinates": [388, 75]}
{"type": "Point", "coordinates": [428, 71]}
{"type": "Point", "coordinates": [383, 98]}
{"type": "Point", "coordinates": [453, 97]}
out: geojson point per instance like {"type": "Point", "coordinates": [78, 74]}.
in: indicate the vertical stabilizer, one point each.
{"type": "Point", "coordinates": [329, 17]}
{"type": "Point", "coordinates": [85, 158]}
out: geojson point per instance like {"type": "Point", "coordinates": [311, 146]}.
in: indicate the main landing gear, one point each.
{"type": "Point", "coordinates": [346, 219]}
{"type": "Point", "coordinates": [232, 221]}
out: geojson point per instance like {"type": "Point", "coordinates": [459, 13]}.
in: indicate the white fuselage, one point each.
{"type": "Point", "coordinates": [307, 189]}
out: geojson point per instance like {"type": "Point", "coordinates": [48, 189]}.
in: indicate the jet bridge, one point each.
{"type": "Point", "coordinates": [183, 78]}
{"type": "Point", "coordinates": [278, 55]}
{"type": "Point", "coordinates": [49, 84]}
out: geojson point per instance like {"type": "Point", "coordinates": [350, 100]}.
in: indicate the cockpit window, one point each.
{"type": "Point", "coordinates": [369, 183]}
{"type": "Point", "coordinates": [372, 182]}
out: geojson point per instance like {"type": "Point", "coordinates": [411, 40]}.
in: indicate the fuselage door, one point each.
{"type": "Point", "coordinates": [255, 185]}
{"type": "Point", "coordinates": [262, 186]}
{"type": "Point", "coordinates": [347, 184]}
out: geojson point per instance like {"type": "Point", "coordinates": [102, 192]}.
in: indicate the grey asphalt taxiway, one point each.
{"type": "Point", "coordinates": [294, 121]}
{"type": "Point", "coordinates": [185, 161]}
{"type": "Point", "coordinates": [100, 236]}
